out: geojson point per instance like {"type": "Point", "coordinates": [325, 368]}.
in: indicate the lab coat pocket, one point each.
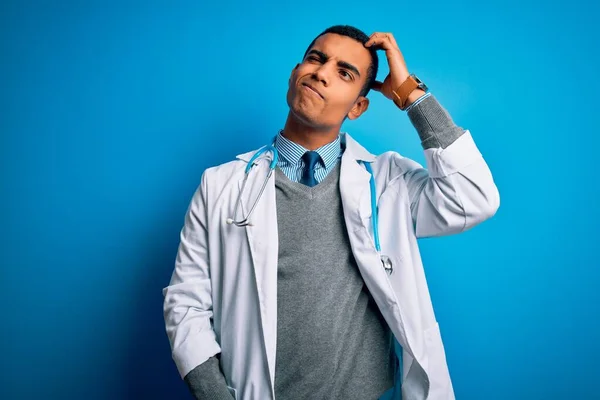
{"type": "Point", "coordinates": [233, 392]}
{"type": "Point", "coordinates": [437, 368]}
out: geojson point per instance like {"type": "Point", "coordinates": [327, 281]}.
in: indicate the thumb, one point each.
{"type": "Point", "coordinates": [376, 86]}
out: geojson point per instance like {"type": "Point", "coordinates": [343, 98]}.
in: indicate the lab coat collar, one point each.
{"type": "Point", "coordinates": [355, 150]}
{"type": "Point", "coordinates": [352, 149]}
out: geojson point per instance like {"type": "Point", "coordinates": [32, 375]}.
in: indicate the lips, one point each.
{"type": "Point", "coordinates": [313, 89]}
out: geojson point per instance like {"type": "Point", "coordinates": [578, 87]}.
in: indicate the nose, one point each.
{"type": "Point", "coordinates": [323, 73]}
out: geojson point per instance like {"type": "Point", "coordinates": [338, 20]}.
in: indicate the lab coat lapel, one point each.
{"type": "Point", "coordinates": [354, 184]}
{"type": "Point", "coordinates": [263, 243]}
{"type": "Point", "coordinates": [356, 200]}
{"type": "Point", "coordinates": [354, 178]}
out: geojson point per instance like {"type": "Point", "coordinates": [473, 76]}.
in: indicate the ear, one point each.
{"type": "Point", "coordinates": [360, 106]}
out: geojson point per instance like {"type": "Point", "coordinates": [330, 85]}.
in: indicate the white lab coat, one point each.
{"type": "Point", "coordinates": [222, 296]}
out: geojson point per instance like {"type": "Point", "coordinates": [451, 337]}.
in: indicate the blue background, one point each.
{"type": "Point", "coordinates": [110, 113]}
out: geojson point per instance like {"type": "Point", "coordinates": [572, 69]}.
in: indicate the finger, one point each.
{"type": "Point", "coordinates": [392, 39]}
{"type": "Point", "coordinates": [386, 41]}
{"type": "Point", "coordinates": [376, 86]}
{"type": "Point", "coordinates": [373, 37]}
{"type": "Point", "coordinates": [380, 36]}
{"type": "Point", "coordinates": [379, 41]}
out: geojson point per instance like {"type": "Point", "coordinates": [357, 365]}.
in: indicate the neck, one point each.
{"type": "Point", "coordinates": [309, 137]}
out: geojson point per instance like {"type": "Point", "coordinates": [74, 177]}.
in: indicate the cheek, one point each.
{"type": "Point", "coordinates": [338, 108]}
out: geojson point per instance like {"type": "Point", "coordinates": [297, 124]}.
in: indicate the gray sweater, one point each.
{"type": "Point", "coordinates": [436, 129]}
{"type": "Point", "coordinates": [332, 341]}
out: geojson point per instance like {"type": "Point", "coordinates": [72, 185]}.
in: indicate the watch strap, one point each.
{"type": "Point", "coordinates": [403, 91]}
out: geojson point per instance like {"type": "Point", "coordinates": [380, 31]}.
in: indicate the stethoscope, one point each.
{"type": "Point", "coordinates": [385, 260]}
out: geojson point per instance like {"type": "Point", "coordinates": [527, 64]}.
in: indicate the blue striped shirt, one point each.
{"type": "Point", "coordinates": [290, 154]}
{"type": "Point", "coordinates": [292, 165]}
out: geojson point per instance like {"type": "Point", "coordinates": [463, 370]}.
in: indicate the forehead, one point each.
{"type": "Point", "coordinates": [344, 48]}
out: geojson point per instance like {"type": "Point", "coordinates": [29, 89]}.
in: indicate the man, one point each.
{"type": "Point", "coordinates": [298, 304]}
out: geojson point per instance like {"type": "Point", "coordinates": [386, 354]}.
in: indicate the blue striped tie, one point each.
{"type": "Point", "coordinates": [310, 159]}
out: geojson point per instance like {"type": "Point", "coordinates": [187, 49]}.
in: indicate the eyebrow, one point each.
{"type": "Point", "coordinates": [343, 64]}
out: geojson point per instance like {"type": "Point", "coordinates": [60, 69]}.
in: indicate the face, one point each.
{"type": "Point", "coordinates": [325, 87]}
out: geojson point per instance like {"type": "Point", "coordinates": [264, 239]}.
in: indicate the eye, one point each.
{"type": "Point", "coordinates": [345, 74]}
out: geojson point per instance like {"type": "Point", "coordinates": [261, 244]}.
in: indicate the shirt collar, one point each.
{"type": "Point", "coordinates": [291, 152]}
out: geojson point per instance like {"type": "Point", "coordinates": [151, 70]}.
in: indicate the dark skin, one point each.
{"type": "Point", "coordinates": [336, 67]}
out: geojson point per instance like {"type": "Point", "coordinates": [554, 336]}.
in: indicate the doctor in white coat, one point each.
{"type": "Point", "coordinates": [220, 306]}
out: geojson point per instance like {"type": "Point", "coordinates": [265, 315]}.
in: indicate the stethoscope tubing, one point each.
{"type": "Point", "coordinates": [387, 264]}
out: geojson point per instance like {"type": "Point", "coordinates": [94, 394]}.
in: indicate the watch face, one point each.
{"type": "Point", "coordinates": [421, 86]}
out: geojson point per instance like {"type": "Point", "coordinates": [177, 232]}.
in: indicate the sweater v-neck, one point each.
{"type": "Point", "coordinates": [330, 182]}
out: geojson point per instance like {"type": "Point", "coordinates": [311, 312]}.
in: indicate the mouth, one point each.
{"type": "Point", "coordinates": [312, 89]}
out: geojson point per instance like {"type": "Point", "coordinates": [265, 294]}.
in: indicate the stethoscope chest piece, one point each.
{"type": "Point", "coordinates": [387, 264]}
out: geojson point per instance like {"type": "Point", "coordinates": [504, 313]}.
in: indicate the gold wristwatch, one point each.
{"type": "Point", "coordinates": [405, 89]}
